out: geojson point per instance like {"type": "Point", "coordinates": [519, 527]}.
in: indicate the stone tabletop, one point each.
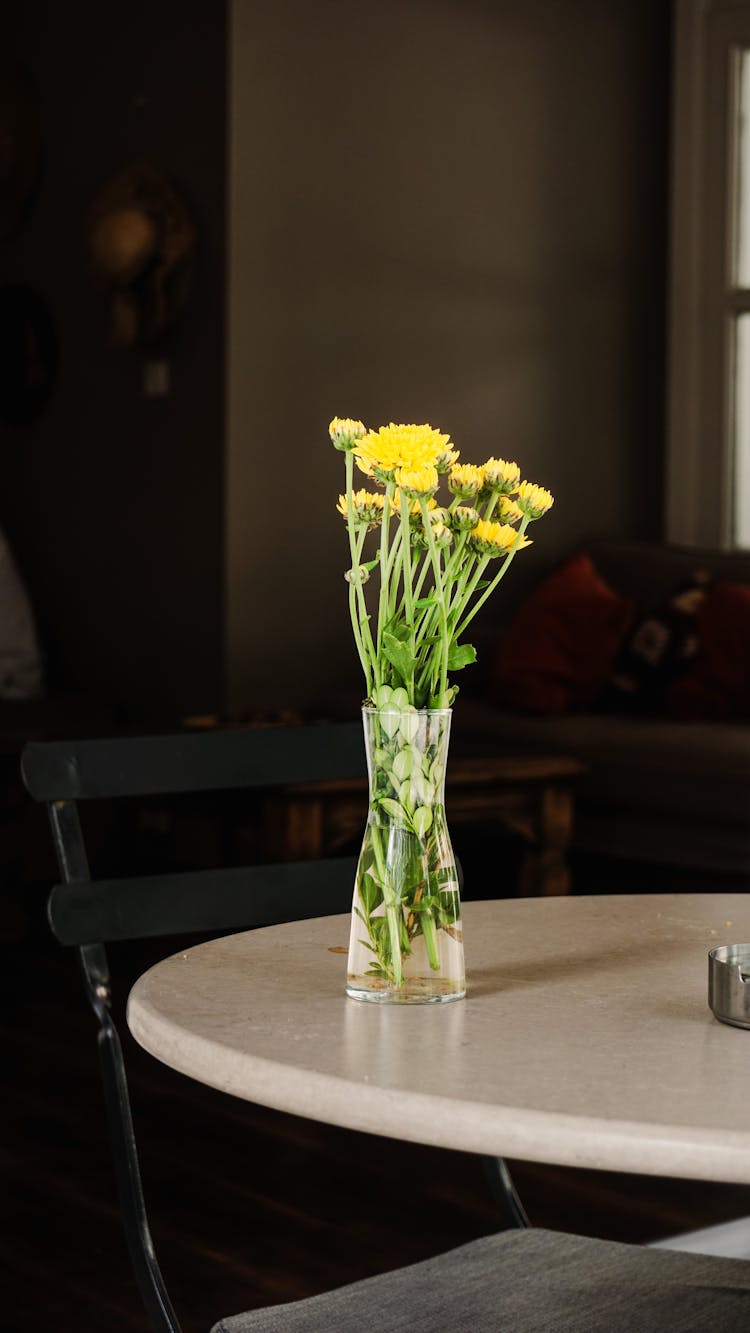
{"type": "Point", "coordinates": [585, 1038]}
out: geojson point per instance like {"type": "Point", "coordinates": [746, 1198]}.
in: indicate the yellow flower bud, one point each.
{"type": "Point", "coordinates": [444, 462]}
{"type": "Point", "coordinates": [345, 433]}
{"type": "Point", "coordinates": [418, 482]}
{"type": "Point", "coordinates": [508, 510]}
{"type": "Point", "coordinates": [495, 539]}
{"type": "Point", "coordinates": [463, 518]}
{"type": "Point", "coordinates": [500, 476]}
{"type": "Point", "coordinates": [533, 500]}
{"type": "Point", "coordinates": [465, 480]}
{"type": "Point", "coordinates": [367, 507]}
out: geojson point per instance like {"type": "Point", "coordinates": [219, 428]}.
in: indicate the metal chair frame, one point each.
{"type": "Point", "coordinates": [87, 913]}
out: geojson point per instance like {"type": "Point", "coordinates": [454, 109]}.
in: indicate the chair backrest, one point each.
{"type": "Point", "coordinates": [88, 913]}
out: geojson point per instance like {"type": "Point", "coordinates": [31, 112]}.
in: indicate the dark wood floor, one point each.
{"type": "Point", "coordinates": [248, 1206]}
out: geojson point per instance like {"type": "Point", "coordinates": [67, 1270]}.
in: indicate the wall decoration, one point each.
{"type": "Point", "coordinates": [140, 244]}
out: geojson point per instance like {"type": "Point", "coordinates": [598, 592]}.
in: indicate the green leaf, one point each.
{"type": "Point", "coordinates": [398, 628]}
{"type": "Point", "coordinates": [393, 809]}
{"type": "Point", "coordinates": [403, 763]}
{"type": "Point", "coordinates": [369, 893]}
{"type": "Point", "coordinates": [398, 655]}
{"type": "Point", "coordinates": [423, 602]}
{"type": "Point", "coordinates": [389, 719]}
{"type": "Point", "coordinates": [422, 791]}
{"type": "Point", "coordinates": [409, 724]}
{"type": "Point", "coordinates": [461, 655]}
{"type": "Point", "coordinates": [422, 820]}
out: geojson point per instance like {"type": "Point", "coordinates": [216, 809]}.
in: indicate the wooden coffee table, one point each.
{"type": "Point", "coordinates": [532, 796]}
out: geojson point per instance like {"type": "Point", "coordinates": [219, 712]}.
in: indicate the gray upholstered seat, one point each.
{"type": "Point", "coordinates": [530, 1281]}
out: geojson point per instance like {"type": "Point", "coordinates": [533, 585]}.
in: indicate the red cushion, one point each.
{"type": "Point", "coordinates": [561, 646]}
{"type": "Point", "coordinates": [717, 686]}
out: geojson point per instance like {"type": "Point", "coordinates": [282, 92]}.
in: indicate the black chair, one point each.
{"type": "Point", "coordinates": [518, 1279]}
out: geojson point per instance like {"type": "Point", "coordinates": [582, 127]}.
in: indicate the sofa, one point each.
{"type": "Point", "coordinates": [667, 750]}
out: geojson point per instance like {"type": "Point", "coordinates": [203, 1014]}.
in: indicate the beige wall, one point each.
{"type": "Point", "coordinates": [443, 210]}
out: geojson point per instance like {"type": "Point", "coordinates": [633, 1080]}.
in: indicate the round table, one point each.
{"type": "Point", "coordinates": [585, 1038]}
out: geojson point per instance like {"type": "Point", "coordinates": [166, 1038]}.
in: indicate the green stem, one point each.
{"type": "Point", "coordinates": [488, 591]}
{"type": "Point", "coordinates": [440, 594]}
{"type": "Point", "coordinates": [392, 909]}
{"type": "Point", "coordinates": [384, 598]}
{"type": "Point", "coordinates": [357, 604]}
{"type": "Point", "coordinates": [429, 931]}
{"type": "Point", "coordinates": [355, 619]}
{"type": "Point", "coordinates": [471, 573]}
{"type": "Point", "coordinates": [454, 572]}
{"type": "Point", "coordinates": [407, 585]}
{"type": "Point", "coordinates": [393, 557]}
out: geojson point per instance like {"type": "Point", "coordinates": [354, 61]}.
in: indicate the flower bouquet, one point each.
{"type": "Point", "coordinates": [433, 564]}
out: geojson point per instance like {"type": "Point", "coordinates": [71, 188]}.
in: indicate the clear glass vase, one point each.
{"type": "Point", "coordinates": [406, 945]}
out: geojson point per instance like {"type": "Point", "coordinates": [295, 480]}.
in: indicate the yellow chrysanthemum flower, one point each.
{"type": "Point", "coordinates": [500, 476]}
{"type": "Point", "coordinates": [508, 510]}
{"type": "Point", "coordinates": [417, 482]}
{"type": "Point", "coordinates": [367, 506]}
{"type": "Point", "coordinates": [380, 452]}
{"type": "Point", "coordinates": [495, 538]}
{"type": "Point", "coordinates": [345, 433]}
{"type": "Point", "coordinates": [465, 480]}
{"type": "Point", "coordinates": [533, 500]}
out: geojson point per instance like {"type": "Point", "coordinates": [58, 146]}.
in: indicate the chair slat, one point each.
{"type": "Point", "coordinates": [192, 762]}
{"type": "Point", "coordinates": [202, 900]}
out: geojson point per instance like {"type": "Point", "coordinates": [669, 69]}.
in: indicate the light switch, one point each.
{"type": "Point", "coordinates": [156, 379]}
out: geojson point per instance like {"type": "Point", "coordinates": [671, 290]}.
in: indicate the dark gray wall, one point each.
{"type": "Point", "coordinates": [113, 501]}
{"type": "Point", "coordinates": [450, 210]}
{"type": "Point", "coordinates": [443, 210]}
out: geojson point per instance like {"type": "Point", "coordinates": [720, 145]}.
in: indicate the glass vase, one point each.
{"type": "Point", "coordinates": [406, 945]}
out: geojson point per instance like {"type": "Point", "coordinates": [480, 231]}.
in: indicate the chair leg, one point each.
{"type": "Point", "coordinates": [148, 1274]}
{"type": "Point", "coordinates": [505, 1194]}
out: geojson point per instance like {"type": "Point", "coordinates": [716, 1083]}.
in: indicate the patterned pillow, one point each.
{"type": "Point", "coordinates": [717, 686]}
{"type": "Point", "coordinates": [661, 647]}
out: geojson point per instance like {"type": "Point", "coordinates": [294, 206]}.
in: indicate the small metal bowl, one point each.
{"type": "Point", "coordinates": [729, 983]}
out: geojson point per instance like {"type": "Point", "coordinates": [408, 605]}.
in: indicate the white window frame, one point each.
{"type": "Point", "coordinates": [699, 499]}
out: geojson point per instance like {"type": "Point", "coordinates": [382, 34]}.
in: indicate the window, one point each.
{"type": "Point", "coordinates": [708, 467]}
{"type": "Point", "coordinates": [739, 307]}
